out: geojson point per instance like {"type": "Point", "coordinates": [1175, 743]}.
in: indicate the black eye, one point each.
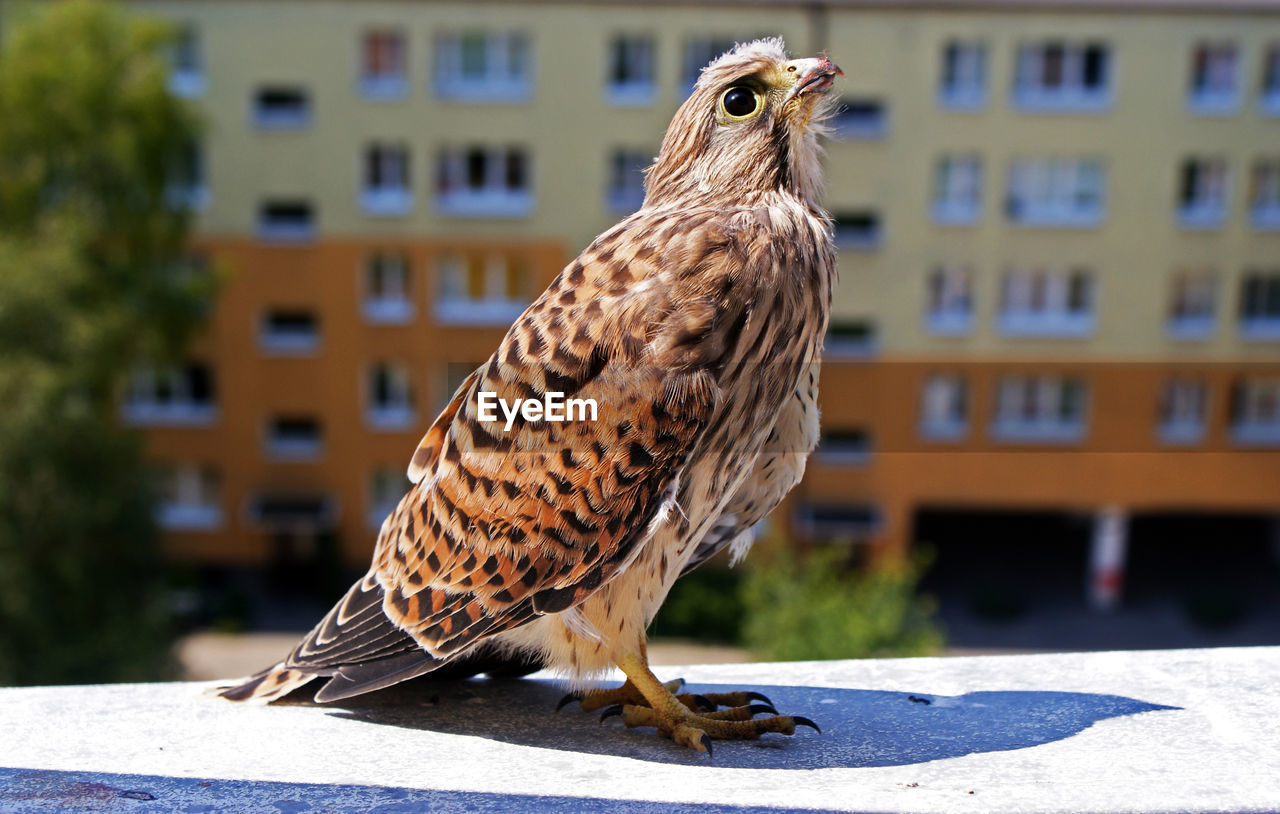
{"type": "Point", "coordinates": [739, 102]}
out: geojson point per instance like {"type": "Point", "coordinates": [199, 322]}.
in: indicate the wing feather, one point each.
{"type": "Point", "coordinates": [503, 526]}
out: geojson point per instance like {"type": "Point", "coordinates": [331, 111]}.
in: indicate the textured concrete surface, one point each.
{"type": "Point", "coordinates": [1192, 730]}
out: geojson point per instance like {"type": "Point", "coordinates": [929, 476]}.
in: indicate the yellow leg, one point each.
{"type": "Point", "coordinates": [692, 727]}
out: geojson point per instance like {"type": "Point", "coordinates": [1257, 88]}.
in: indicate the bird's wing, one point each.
{"type": "Point", "coordinates": [777, 470]}
{"type": "Point", "coordinates": [503, 526]}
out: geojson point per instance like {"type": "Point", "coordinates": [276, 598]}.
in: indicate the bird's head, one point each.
{"type": "Point", "coordinates": [750, 126]}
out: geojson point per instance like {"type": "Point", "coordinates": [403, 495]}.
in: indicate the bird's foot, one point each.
{"type": "Point", "coordinates": [592, 700]}
{"type": "Point", "coordinates": [696, 730]}
{"type": "Point", "coordinates": [690, 719]}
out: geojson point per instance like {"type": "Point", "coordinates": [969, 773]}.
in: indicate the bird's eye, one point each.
{"type": "Point", "coordinates": [740, 102]}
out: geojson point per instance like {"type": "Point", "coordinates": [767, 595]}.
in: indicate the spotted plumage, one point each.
{"type": "Point", "coordinates": [695, 325]}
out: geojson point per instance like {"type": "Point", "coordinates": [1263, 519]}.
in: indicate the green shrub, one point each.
{"type": "Point", "coordinates": [821, 607]}
{"type": "Point", "coordinates": [705, 605]}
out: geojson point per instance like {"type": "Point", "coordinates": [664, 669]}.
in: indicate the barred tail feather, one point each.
{"type": "Point", "coordinates": [267, 686]}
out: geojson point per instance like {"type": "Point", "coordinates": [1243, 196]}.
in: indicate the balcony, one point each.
{"type": "Point", "coordinates": [1048, 325]}
{"type": "Point", "coordinates": [170, 413]}
{"type": "Point", "coordinates": [485, 203]}
{"type": "Point", "coordinates": [631, 94]}
{"type": "Point", "coordinates": [383, 88]}
{"type": "Point", "coordinates": [484, 89]}
{"type": "Point", "coordinates": [388, 310]}
{"type": "Point", "coordinates": [390, 417]}
{"type": "Point", "coordinates": [189, 517]}
{"type": "Point", "coordinates": [1256, 433]}
{"type": "Point", "coordinates": [386, 202]}
{"type": "Point", "coordinates": [1181, 432]}
{"type": "Point", "coordinates": [1207, 102]}
{"type": "Point", "coordinates": [1265, 218]}
{"type": "Point", "coordinates": [944, 429]}
{"type": "Point", "coordinates": [949, 323]}
{"type": "Point", "coordinates": [956, 213]}
{"type": "Point", "coordinates": [1038, 430]}
{"type": "Point", "coordinates": [1077, 100]}
{"type": "Point", "coordinates": [1191, 328]}
{"type": "Point", "coordinates": [1202, 216]}
{"type": "Point", "coordinates": [498, 313]}
{"type": "Point", "coordinates": [1055, 215]}
{"type": "Point", "coordinates": [1260, 329]}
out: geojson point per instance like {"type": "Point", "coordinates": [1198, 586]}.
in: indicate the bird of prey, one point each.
{"type": "Point", "coordinates": [696, 326]}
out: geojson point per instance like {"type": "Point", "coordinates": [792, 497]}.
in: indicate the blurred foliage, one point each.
{"type": "Point", "coordinates": [823, 606]}
{"type": "Point", "coordinates": [91, 282]}
{"type": "Point", "coordinates": [705, 605]}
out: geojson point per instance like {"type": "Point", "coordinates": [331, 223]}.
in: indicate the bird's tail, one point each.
{"type": "Point", "coordinates": [269, 685]}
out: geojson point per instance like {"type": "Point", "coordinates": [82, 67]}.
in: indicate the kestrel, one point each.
{"type": "Point", "coordinates": [696, 326]}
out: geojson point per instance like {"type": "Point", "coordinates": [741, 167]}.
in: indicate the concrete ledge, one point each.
{"type": "Point", "coordinates": [1191, 730]}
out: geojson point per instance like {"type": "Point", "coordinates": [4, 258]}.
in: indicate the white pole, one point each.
{"type": "Point", "coordinates": [1107, 558]}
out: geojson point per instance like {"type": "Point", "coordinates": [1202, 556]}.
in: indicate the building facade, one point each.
{"type": "Point", "coordinates": [1058, 222]}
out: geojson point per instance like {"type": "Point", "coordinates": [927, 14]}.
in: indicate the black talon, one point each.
{"type": "Point", "coordinates": [568, 699]}
{"type": "Point", "coordinates": [756, 696]}
{"type": "Point", "coordinates": [756, 709]}
{"type": "Point", "coordinates": [706, 742]}
{"type": "Point", "coordinates": [704, 703]}
{"type": "Point", "coordinates": [616, 709]}
{"type": "Point", "coordinates": [798, 721]}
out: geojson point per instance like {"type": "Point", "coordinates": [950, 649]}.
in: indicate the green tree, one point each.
{"type": "Point", "coordinates": [92, 280]}
{"type": "Point", "coordinates": [823, 607]}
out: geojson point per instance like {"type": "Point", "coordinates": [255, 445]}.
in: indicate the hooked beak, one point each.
{"type": "Point", "coordinates": [816, 74]}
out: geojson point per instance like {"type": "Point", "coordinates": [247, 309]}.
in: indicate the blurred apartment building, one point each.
{"type": "Point", "coordinates": [1058, 222]}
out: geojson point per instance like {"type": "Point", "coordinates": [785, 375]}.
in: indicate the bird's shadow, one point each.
{"type": "Point", "coordinates": [860, 728]}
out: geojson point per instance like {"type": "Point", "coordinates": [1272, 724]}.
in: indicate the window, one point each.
{"type": "Point", "coordinates": [1270, 98]}
{"type": "Point", "coordinates": [845, 447]}
{"type": "Point", "coordinates": [1192, 306]}
{"type": "Point", "coordinates": [1264, 194]}
{"type": "Point", "coordinates": [698, 53]}
{"type": "Point", "coordinates": [295, 438]}
{"type": "Point", "coordinates": [1260, 305]}
{"type": "Point", "coordinates": [1214, 84]}
{"type": "Point", "coordinates": [1059, 76]}
{"type": "Point", "coordinates": [186, 75]}
{"type": "Point", "coordinates": [861, 119]}
{"type": "Point", "coordinates": [944, 407]}
{"type": "Point", "coordinates": [1039, 408]}
{"type": "Point", "coordinates": [857, 230]}
{"type": "Point", "coordinates": [390, 405]}
{"type": "Point", "coordinates": [1202, 193]}
{"type": "Point", "coordinates": [286, 221]}
{"type": "Point", "coordinates": [850, 338]}
{"type": "Point", "coordinates": [479, 289]}
{"type": "Point", "coordinates": [963, 85]}
{"type": "Point", "coordinates": [631, 75]}
{"type": "Point", "coordinates": [293, 512]}
{"type": "Point", "coordinates": [190, 498]}
{"type": "Point", "coordinates": [187, 187]}
{"type": "Point", "coordinates": [480, 66]}
{"type": "Point", "coordinates": [289, 332]}
{"type": "Point", "coordinates": [455, 374]}
{"type": "Point", "coordinates": [386, 190]}
{"type": "Point", "coordinates": [187, 63]}
{"type": "Point", "coordinates": [386, 289]}
{"type": "Point", "coordinates": [950, 301]}
{"type": "Point", "coordinates": [1056, 192]}
{"type": "Point", "coordinates": [1182, 410]}
{"type": "Point", "coordinates": [282, 108]}
{"type": "Point", "coordinates": [843, 522]}
{"type": "Point", "coordinates": [171, 396]}
{"type": "Point", "coordinates": [1255, 412]}
{"type": "Point", "coordinates": [383, 72]}
{"type": "Point", "coordinates": [957, 193]}
{"type": "Point", "coordinates": [626, 180]}
{"type": "Point", "coordinates": [484, 182]}
{"type": "Point", "coordinates": [1047, 304]}
{"type": "Point", "coordinates": [386, 488]}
